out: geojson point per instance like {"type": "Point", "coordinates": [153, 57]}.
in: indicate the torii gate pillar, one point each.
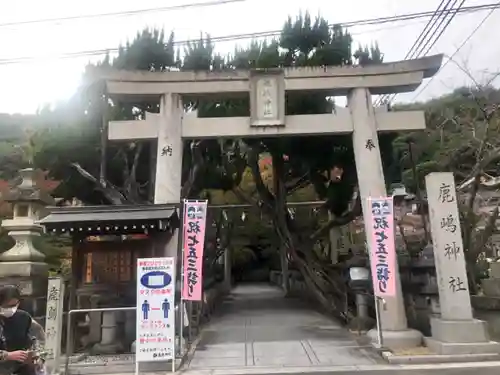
{"type": "Point", "coordinates": [371, 183]}
{"type": "Point", "coordinates": [168, 176]}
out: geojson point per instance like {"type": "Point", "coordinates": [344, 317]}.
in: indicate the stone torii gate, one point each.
{"type": "Point", "coordinates": [268, 119]}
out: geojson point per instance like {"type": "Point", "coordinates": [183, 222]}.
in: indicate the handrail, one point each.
{"type": "Point", "coordinates": [69, 337]}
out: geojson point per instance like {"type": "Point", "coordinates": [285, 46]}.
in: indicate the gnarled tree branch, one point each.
{"type": "Point", "coordinates": [338, 221]}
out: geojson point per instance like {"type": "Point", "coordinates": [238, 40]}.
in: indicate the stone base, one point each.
{"type": "Point", "coordinates": [460, 337]}
{"type": "Point", "coordinates": [114, 348]}
{"type": "Point", "coordinates": [447, 348]}
{"type": "Point", "coordinates": [459, 331]}
{"type": "Point", "coordinates": [362, 324]}
{"type": "Point", "coordinates": [409, 338]}
{"type": "Point", "coordinates": [437, 358]}
{"type": "Point", "coordinates": [24, 269]}
{"type": "Point", "coordinates": [32, 279]}
{"type": "Point", "coordinates": [491, 287]}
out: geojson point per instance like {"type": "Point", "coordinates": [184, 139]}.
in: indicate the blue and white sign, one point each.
{"type": "Point", "coordinates": [155, 338]}
{"type": "Point", "coordinates": [156, 280]}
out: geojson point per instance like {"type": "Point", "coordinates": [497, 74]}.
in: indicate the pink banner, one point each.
{"type": "Point", "coordinates": [382, 246]}
{"type": "Point", "coordinates": [195, 216]}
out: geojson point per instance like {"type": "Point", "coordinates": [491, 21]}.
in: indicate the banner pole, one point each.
{"type": "Point", "coordinates": [190, 313]}
{"type": "Point", "coordinates": [380, 337]}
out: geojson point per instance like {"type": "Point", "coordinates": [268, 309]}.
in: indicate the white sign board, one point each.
{"type": "Point", "coordinates": [54, 321]}
{"type": "Point", "coordinates": [155, 339]}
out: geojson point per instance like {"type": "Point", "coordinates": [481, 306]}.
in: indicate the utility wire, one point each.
{"type": "Point", "coordinates": [441, 8]}
{"type": "Point", "coordinates": [263, 34]}
{"type": "Point", "coordinates": [427, 27]}
{"type": "Point", "coordinates": [122, 13]}
{"type": "Point", "coordinates": [226, 38]}
{"type": "Point", "coordinates": [471, 35]}
{"type": "Point", "coordinates": [420, 52]}
{"type": "Point", "coordinates": [439, 27]}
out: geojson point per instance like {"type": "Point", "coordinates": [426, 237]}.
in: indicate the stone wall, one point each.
{"type": "Point", "coordinates": [487, 306]}
{"type": "Point", "coordinates": [488, 309]}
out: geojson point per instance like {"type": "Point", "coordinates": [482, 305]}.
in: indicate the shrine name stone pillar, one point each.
{"type": "Point", "coordinates": [169, 160]}
{"type": "Point", "coordinates": [371, 184]}
{"type": "Point", "coordinates": [456, 331]}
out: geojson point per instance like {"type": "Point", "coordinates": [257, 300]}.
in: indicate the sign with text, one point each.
{"type": "Point", "coordinates": [449, 256]}
{"type": "Point", "coordinates": [195, 217]}
{"type": "Point", "coordinates": [54, 320]}
{"type": "Point", "coordinates": [381, 246]}
{"type": "Point", "coordinates": [155, 313]}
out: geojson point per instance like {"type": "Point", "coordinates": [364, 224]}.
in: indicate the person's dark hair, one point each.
{"type": "Point", "coordinates": [9, 292]}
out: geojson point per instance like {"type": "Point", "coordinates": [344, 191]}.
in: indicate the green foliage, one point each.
{"type": "Point", "coordinates": [149, 48]}
{"type": "Point", "coordinates": [456, 125]}
{"type": "Point", "coordinates": [368, 56]}
{"type": "Point", "coordinates": [55, 249]}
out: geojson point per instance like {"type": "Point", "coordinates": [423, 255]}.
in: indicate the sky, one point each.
{"type": "Point", "coordinates": [47, 78]}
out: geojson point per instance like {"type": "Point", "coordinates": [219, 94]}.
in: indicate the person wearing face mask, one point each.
{"type": "Point", "coordinates": [20, 335]}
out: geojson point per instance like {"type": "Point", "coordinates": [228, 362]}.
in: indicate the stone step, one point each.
{"type": "Point", "coordinates": [485, 368]}
{"type": "Point", "coordinates": [121, 368]}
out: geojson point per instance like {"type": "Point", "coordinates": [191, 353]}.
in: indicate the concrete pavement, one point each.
{"type": "Point", "coordinates": [259, 332]}
{"type": "Point", "coordinates": [485, 368]}
{"type": "Point", "coordinates": [256, 326]}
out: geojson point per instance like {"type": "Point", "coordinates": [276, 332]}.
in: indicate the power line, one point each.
{"type": "Point", "coordinates": [438, 13]}
{"type": "Point", "coordinates": [471, 35]}
{"type": "Point", "coordinates": [263, 34]}
{"type": "Point", "coordinates": [226, 38]}
{"type": "Point", "coordinates": [443, 30]}
{"type": "Point", "coordinates": [432, 39]}
{"type": "Point", "coordinates": [427, 27]}
{"type": "Point", "coordinates": [122, 13]}
{"type": "Point", "coordinates": [443, 19]}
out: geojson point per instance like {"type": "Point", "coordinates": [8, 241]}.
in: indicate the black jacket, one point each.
{"type": "Point", "coordinates": [15, 332]}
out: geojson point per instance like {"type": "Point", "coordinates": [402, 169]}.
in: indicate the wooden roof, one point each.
{"type": "Point", "coordinates": [122, 219]}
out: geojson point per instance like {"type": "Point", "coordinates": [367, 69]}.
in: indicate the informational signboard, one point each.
{"type": "Point", "coordinates": [382, 246]}
{"type": "Point", "coordinates": [155, 339]}
{"type": "Point", "coordinates": [195, 215]}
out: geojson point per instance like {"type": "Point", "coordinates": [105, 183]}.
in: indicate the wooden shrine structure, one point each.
{"type": "Point", "coordinates": [107, 240]}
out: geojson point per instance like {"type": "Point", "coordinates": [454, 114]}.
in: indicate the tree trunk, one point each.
{"type": "Point", "coordinates": [326, 290]}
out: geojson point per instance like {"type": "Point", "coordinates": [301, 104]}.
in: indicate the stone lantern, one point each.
{"type": "Point", "coordinates": [23, 264]}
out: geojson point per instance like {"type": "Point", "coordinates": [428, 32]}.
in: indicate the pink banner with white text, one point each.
{"type": "Point", "coordinates": [195, 217]}
{"type": "Point", "coordinates": [382, 246]}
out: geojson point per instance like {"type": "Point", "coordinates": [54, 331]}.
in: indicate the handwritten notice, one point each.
{"type": "Point", "coordinates": [382, 248]}
{"type": "Point", "coordinates": [54, 320]}
{"type": "Point", "coordinates": [195, 215]}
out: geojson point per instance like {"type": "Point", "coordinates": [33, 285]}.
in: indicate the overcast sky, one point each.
{"type": "Point", "coordinates": [24, 87]}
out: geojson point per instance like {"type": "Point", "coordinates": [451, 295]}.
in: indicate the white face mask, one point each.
{"type": "Point", "coordinates": [8, 312]}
